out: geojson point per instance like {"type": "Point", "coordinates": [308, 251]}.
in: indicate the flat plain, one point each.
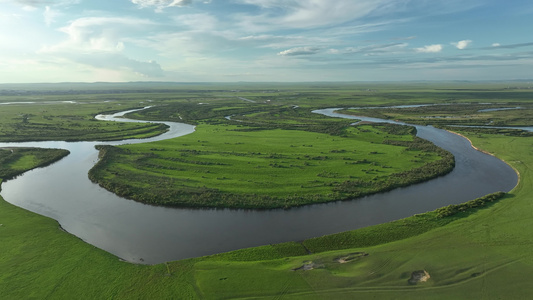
{"type": "Point", "coordinates": [481, 252]}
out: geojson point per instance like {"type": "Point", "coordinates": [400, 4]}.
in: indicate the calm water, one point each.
{"type": "Point", "coordinates": [148, 234]}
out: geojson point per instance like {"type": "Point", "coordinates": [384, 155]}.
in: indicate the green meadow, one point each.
{"type": "Point", "coordinates": [51, 119]}
{"type": "Point", "coordinates": [232, 166]}
{"type": "Point", "coordinates": [479, 253]}
{"type": "Point", "coordinates": [481, 250]}
{"type": "Point", "coordinates": [14, 161]}
{"type": "Point", "coordinates": [511, 114]}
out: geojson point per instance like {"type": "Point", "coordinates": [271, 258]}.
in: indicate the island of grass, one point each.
{"type": "Point", "coordinates": [237, 166]}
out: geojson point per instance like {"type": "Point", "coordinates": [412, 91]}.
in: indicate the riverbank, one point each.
{"type": "Point", "coordinates": [486, 152]}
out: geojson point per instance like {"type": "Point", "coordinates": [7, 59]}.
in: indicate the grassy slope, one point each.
{"type": "Point", "coordinates": [485, 255]}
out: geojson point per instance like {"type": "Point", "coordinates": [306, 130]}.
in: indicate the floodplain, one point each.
{"type": "Point", "coordinates": [478, 252]}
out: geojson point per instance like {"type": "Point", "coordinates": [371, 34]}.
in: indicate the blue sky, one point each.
{"type": "Point", "coordinates": [265, 40]}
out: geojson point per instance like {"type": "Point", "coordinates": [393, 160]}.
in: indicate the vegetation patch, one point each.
{"type": "Point", "coordinates": [453, 209]}
{"type": "Point", "coordinates": [489, 130]}
{"type": "Point", "coordinates": [469, 114]}
{"type": "Point", "coordinates": [69, 122]}
{"type": "Point", "coordinates": [14, 161]}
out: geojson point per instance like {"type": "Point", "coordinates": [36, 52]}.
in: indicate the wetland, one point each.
{"type": "Point", "coordinates": [471, 249]}
{"type": "Point", "coordinates": [135, 231]}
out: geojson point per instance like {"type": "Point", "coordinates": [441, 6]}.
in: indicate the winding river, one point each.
{"type": "Point", "coordinates": [146, 234]}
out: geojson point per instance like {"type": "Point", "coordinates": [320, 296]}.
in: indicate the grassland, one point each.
{"type": "Point", "coordinates": [233, 166]}
{"type": "Point", "coordinates": [508, 114]}
{"type": "Point", "coordinates": [476, 254]}
{"type": "Point", "coordinates": [49, 119]}
{"type": "Point", "coordinates": [269, 152]}
{"type": "Point", "coordinates": [473, 255]}
{"type": "Point", "coordinates": [66, 111]}
{"type": "Point", "coordinates": [14, 161]}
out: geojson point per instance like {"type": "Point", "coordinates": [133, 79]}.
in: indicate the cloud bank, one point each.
{"type": "Point", "coordinates": [299, 51]}
{"type": "Point", "coordinates": [159, 5]}
{"type": "Point", "coordinates": [462, 44]}
{"type": "Point", "coordinates": [100, 42]}
{"type": "Point", "coordinates": [430, 49]}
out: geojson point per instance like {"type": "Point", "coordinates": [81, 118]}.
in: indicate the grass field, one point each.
{"type": "Point", "coordinates": [485, 254]}
{"type": "Point", "coordinates": [508, 114]}
{"type": "Point", "coordinates": [479, 254]}
{"type": "Point", "coordinates": [58, 120]}
{"type": "Point", "coordinates": [14, 161]}
{"type": "Point", "coordinates": [232, 166]}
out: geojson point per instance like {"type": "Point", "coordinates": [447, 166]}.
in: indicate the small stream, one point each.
{"type": "Point", "coordinates": [147, 234]}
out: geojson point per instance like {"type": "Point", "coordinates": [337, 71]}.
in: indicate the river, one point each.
{"type": "Point", "coordinates": [147, 234]}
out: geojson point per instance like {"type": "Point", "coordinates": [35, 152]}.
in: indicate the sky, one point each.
{"type": "Point", "coordinates": [264, 40]}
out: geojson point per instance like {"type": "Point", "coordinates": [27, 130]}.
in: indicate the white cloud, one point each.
{"type": "Point", "coordinates": [287, 41]}
{"type": "Point", "coordinates": [115, 61]}
{"type": "Point", "coordinates": [462, 44]}
{"type": "Point", "coordinates": [203, 22]}
{"type": "Point", "coordinates": [306, 14]}
{"type": "Point", "coordinates": [509, 46]}
{"type": "Point", "coordinates": [57, 69]}
{"type": "Point", "coordinates": [100, 33]}
{"type": "Point", "coordinates": [110, 61]}
{"type": "Point", "coordinates": [376, 49]}
{"type": "Point", "coordinates": [159, 5]}
{"type": "Point", "coordinates": [50, 15]}
{"type": "Point", "coordinates": [99, 42]}
{"type": "Point", "coordinates": [33, 4]}
{"type": "Point", "coordinates": [310, 13]}
{"type": "Point", "coordinates": [299, 51]}
{"type": "Point", "coordinates": [405, 38]}
{"type": "Point", "coordinates": [430, 49]}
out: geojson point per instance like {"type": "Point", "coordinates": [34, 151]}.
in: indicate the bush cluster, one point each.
{"type": "Point", "coordinates": [453, 209]}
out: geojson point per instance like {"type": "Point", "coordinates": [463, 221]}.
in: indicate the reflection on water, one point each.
{"type": "Point", "coordinates": [148, 234]}
{"type": "Point", "coordinates": [499, 109]}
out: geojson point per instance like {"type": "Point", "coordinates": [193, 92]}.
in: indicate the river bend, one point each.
{"type": "Point", "coordinates": [147, 234]}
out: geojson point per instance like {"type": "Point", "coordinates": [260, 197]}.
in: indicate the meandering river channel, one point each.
{"type": "Point", "coordinates": [141, 233]}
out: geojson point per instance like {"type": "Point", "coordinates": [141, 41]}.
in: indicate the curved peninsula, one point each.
{"type": "Point", "coordinates": [225, 166]}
